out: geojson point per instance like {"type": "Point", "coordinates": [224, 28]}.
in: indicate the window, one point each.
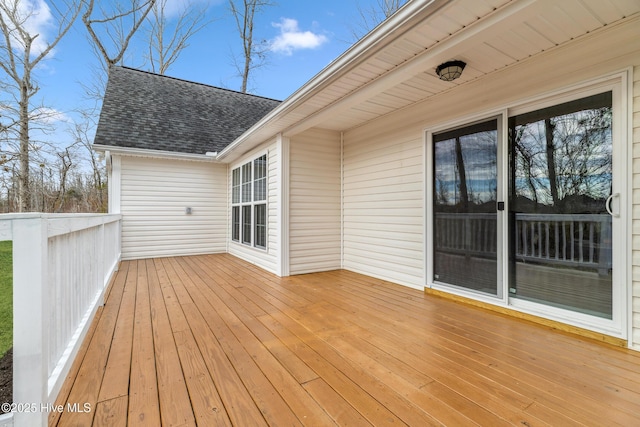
{"type": "Point", "coordinates": [249, 203]}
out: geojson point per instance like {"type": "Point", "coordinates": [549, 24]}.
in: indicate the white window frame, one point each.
{"type": "Point", "coordinates": [249, 193]}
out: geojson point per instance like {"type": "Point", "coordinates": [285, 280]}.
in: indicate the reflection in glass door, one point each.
{"type": "Point", "coordinates": [465, 219]}
{"type": "Point", "coordinates": [560, 185]}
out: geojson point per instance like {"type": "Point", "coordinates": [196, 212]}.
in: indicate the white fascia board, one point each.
{"type": "Point", "coordinates": [158, 154]}
{"type": "Point", "coordinates": [378, 38]}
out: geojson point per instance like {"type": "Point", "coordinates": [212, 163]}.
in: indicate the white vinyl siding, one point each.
{"type": "Point", "coordinates": [636, 210]}
{"type": "Point", "coordinates": [154, 196]}
{"type": "Point", "coordinates": [267, 259]}
{"type": "Point", "coordinates": [314, 200]}
{"type": "Point", "coordinates": [384, 205]}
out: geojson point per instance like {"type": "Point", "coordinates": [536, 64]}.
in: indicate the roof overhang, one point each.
{"type": "Point", "coordinates": [157, 154]}
{"type": "Point", "coordinates": [393, 67]}
{"type": "Point", "coordinates": [273, 123]}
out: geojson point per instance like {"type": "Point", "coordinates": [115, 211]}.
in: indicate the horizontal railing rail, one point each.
{"type": "Point", "coordinates": [62, 265]}
{"type": "Point", "coordinates": [562, 239]}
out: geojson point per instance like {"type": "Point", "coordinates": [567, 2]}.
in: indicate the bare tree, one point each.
{"type": "Point", "coordinates": [96, 192]}
{"type": "Point", "coordinates": [112, 29]}
{"type": "Point", "coordinates": [18, 59]}
{"type": "Point", "coordinates": [169, 36]}
{"type": "Point", "coordinates": [372, 15]}
{"type": "Point", "coordinates": [254, 54]}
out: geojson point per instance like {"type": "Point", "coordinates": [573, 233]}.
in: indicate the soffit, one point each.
{"type": "Point", "coordinates": [489, 35]}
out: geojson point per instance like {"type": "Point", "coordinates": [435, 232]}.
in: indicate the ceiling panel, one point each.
{"type": "Point", "coordinates": [482, 8]}
{"type": "Point", "coordinates": [534, 36]}
{"type": "Point", "coordinates": [583, 17]}
{"type": "Point", "coordinates": [552, 24]}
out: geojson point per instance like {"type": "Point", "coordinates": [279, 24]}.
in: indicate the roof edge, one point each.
{"type": "Point", "coordinates": [158, 154]}
{"type": "Point", "coordinates": [386, 31]}
{"type": "Point", "coordinates": [195, 83]}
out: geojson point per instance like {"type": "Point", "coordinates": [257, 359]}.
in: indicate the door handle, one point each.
{"type": "Point", "coordinates": [607, 205]}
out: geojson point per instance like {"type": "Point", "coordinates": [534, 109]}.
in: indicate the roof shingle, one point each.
{"type": "Point", "coordinates": [150, 111]}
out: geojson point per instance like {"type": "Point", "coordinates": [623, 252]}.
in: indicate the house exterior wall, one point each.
{"type": "Point", "coordinates": [385, 160]}
{"type": "Point", "coordinates": [314, 201]}
{"type": "Point", "coordinates": [154, 195]}
{"type": "Point", "coordinates": [268, 258]}
{"type": "Point", "coordinates": [384, 204]}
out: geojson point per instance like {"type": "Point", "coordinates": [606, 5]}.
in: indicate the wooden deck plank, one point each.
{"type": "Point", "coordinates": [248, 348]}
{"type": "Point", "coordinates": [302, 405]}
{"type": "Point", "coordinates": [431, 344]}
{"type": "Point", "coordinates": [338, 299]}
{"type": "Point", "coordinates": [86, 385]}
{"type": "Point", "coordinates": [339, 409]}
{"type": "Point", "coordinates": [239, 405]}
{"type": "Point", "coordinates": [112, 413]}
{"type": "Point", "coordinates": [208, 408]}
{"type": "Point", "coordinates": [117, 372]}
{"type": "Point", "coordinates": [175, 406]}
{"type": "Point", "coordinates": [264, 393]}
{"type": "Point", "coordinates": [144, 406]}
{"type": "Point", "coordinates": [207, 405]}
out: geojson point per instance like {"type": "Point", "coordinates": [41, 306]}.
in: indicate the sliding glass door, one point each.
{"type": "Point", "coordinates": [465, 231]}
{"type": "Point", "coordinates": [536, 219]}
{"type": "Point", "coordinates": [560, 189]}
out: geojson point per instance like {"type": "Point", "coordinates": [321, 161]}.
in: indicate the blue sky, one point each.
{"type": "Point", "coordinates": [304, 36]}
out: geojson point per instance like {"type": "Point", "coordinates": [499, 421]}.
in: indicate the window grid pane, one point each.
{"type": "Point", "coordinates": [235, 223]}
{"type": "Point", "coordinates": [260, 175]}
{"type": "Point", "coordinates": [235, 186]}
{"type": "Point", "coordinates": [246, 183]}
{"type": "Point", "coordinates": [246, 224]}
{"type": "Point", "coordinates": [261, 226]}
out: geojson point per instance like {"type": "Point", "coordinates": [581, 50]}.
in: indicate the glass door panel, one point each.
{"type": "Point", "coordinates": [560, 184]}
{"type": "Point", "coordinates": [465, 218]}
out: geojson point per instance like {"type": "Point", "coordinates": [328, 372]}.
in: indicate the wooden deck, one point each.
{"type": "Point", "coordinates": [213, 341]}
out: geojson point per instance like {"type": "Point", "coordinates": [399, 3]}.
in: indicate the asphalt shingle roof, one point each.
{"type": "Point", "coordinates": [149, 111]}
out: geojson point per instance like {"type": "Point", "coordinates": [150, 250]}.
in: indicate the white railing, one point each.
{"type": "Point", "coordinates": [62, 265]}
{"type": "Point", "coordinates": [564, 239]}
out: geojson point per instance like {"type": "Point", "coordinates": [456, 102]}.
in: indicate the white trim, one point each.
{"type": "Point", "coordinates": [283, 205]}
{"type": "Point", "coordinates": [428, 207]}
{"type": "Point", "coordinates": [342, 200]}
{"type": "Point", "coordinates": [157, 154]}
{"type": "Point", "coordinates": [114, 184]}
{"type": "Point", "coordinates": [627, 99]}
{"type": "Point", "coordinates": [250, 160]}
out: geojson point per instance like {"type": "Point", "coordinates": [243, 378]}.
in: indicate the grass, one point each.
{"type": "Point", "coordinates": [6, 297]}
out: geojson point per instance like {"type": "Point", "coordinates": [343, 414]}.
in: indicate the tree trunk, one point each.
{"type": "Point", "coordinates": [551, 161]}
{"type": "Point", "coordinates": [464, 194]}
{"type": "Point", "coordinates": [23, 175]}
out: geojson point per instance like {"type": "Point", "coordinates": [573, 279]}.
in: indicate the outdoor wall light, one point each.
{"type": "Point", "coordinates": [450, 70]}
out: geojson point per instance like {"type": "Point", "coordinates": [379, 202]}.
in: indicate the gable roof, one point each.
{"type": "Point", "coordinates": [142, 110]}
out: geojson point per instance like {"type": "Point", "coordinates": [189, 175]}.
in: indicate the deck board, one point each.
{"type": "Point", "coordinates": [213, 340]}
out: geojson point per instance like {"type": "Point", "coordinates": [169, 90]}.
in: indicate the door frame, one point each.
{"type": "Point", "coordinates": [620, 85]}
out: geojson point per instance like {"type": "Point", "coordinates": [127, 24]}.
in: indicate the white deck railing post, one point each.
{"type": "Point", "coordinates": [30, 344]}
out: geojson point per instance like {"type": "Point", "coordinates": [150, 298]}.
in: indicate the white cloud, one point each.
{"type": "Point", "coordinates": [49, 116]}
{"type": "Point", "coordinates": [292, 38]}
{"type": "Point", "coordinates": [37, 18]}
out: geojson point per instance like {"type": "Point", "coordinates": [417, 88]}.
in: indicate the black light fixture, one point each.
{"type": "Point", "coordinates": [450, 70]}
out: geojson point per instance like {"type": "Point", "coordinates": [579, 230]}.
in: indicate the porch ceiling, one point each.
{"type": "Point", "coordinates": [394, 66]}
